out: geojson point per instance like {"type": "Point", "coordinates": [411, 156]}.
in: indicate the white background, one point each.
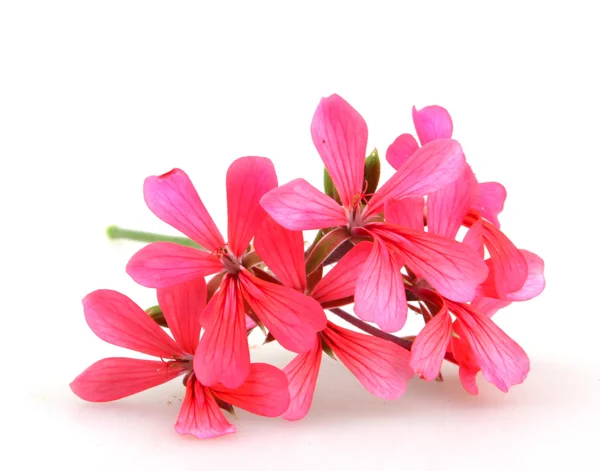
{"type": "Point", "coordinates": [95, 96]}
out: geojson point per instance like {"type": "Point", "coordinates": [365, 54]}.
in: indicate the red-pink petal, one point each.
{"type": "Point", "coordinates": [462, 351]}
{"type": "Point", "coordinates": [430, 168]}
{"type": "Point", "coordinates": [116, 319]}
{"type": "Point", "coordinates": [474, 238]}
{"type": "Point", "coordinates": [452, 268]}
{"type": "Point", "coordinates": [114, 378]}
{"type": "Point", "coordinates": [447, 207]}
{"type": "Point", "coordinates": [283, 252]}
{"type": "Point", "coordinates": [299, 206]}
{"type": "Point", "coordinates": [407, 212]}
{"type": "Point", "coordinates": [490, 201]}
{"type": "Point", "coordinates": [248, 179]}
{"type": "Point", "coordinates": [535, 283]}
{"type": "Point", "coordinates": [340, 281]}
{"type": "Point", "coordinates": [265, 391]}
{"type": "Point", "coordinates": [340, 133]}
{"type": "Point", "coordinates": [508, 265]}
{"type": "Point", "coordinates": [223, 355]}
{"type": "Point", "coordinates": [163, 264]}
{"type": "Point", "coordinates": [429, 348]}
{"type": "Point", "coordinates": [432, 123]}
{"type": "Point", "coordinates": [488, 306]}
{"type": "Point", "coordinates": [173, 198]}
{"type": "Point", "coordinates": [380, 296]}
{"type": "Point", "coordinates": [502, 361]}
{"type": "Point", "coordinates": [468, 380]}
{"type": "Point", "coordinates": [200, 414]}
{"type": "Point", "coordinates": [400, 150]}
{"type": "Point", "coordinates": [292, 317]}
{"type": "Point", "coordinates": [381, 366]}
{"type": "Point", "coordinates": [182, 306]}
{"type": "Point", "coordinates": [302, 373]}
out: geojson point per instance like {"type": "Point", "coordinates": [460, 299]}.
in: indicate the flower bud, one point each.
{"type": "Point", "coordinates": [156, 314]}
{"type": "Point", "coordinates": [372, 173]}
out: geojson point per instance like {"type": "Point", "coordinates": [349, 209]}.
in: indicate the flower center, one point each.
{"type": "Point", "coordinates": [230, 262]}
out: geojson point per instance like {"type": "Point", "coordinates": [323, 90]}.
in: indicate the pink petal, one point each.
{"type": "Point", "coordinates": [432, 123]}
{"type": "Point", "coordinates": [429, 348]}
{"type": "Point", "coordinates": [182, 306]}
{"type": "Point", "coordinates": [502, 361]}
{"type": "Point", "coordinates": [464, 356]}
{"type": "Point", "coordinates": [401, 149]}
{"type": "Point", "coordinates": [508, 265]}
{"type": "Point", "coordinates": [114, 378]}
{"type": "Point", "coordinates": [299, 206]}
{"type": "Point", "coordinates": [474, 238]}
{"type": "Point", "coordinates": [407, 212]}
{"type": "Point", "coordinates": [200, 414]}
{"type": "Point", "coordinates": [248, 179]}
{"type": "Point", "coordinates": [283, 252]}
{"type": "Point", "coordinates": [446, 208]}
{"type": "Point", "coordinates": [535, 283]}
{"type": "Point", "coordinates": [382, 367]}
{"type": "Point", "coordinates": [430, 168]}
{"type": "Point", "coordinates": [302, 373]}
{"type": "Point", "coordinates": [116, 319]}
{"type": "Point", "coordinates": [462, 351]}
{"type": "Point", "coordinates": [265, 391]}
{"type": "Point", "coordinates": [163, 264]}
{"type": "Point", "coordinates": [468, 380]}
{"type": "Point", "coordinates": [292, 317]}
{"type": "Point", "coordinates": [340, 133]}
{"type": "Point", "coordinates": [223, 355]}
{"type": "Point", "coordinates": [173, 198]}
{"type": "Point", "coordinates": [490, 201]}
{"type": "Point", "coordinates": [340, 281]}
{"type": "Point", "coordinates": [488, 306]}
{"type": "Point", "coordinates": [452, 268]}
{"type": "Point", "coordinates": [380, 296]}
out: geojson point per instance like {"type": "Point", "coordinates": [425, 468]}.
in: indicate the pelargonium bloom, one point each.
{"type": "Point", "coordinates": [467, 202]}
{"type": "Point", "coordinates": [292, 318]}
{"type": "Point", "coordinates": [381, 366]}
{"type": "Point", "coordinates": [476, 342]}
{"type": "Point", "coordinates": [116, 319]}
{"type": "Point", "coordinates": [340, 135]}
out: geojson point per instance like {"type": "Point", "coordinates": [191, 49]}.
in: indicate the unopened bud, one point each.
{"type": "Point", "coordinates": [372, 173]}
{"type": "Point", "coordinates": [329, 187]}
{"type": "Point", "coordinates": [156, 314]}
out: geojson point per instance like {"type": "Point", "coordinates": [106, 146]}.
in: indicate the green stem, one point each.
{"type": "Point", "coordinates": [115, 232]}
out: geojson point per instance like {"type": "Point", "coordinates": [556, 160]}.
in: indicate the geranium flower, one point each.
{"type": "Point", "coordinates": [467, 202]}
{"type": "Point", "coordinates": [293, 318]}
{"type": "Point", "coordinates": [382, 367]}
{"type": "Point", "coordinates": [340, 136]}
{"type": "Point", "coordinates": [116, 319]}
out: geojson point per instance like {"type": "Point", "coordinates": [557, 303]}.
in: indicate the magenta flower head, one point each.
{"type": "Point", "coordinates": [379, 251]}
{"type": "Point", "coordinates": [116, 319]}
{"type": "Point", "coordinates": [293, 318]}
{"type": "Point", "coordinates": [340, 136]}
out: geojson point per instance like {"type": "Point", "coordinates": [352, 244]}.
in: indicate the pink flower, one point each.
{"type": "Point", "coordinates": [465, 201]}
{"type": "Point", "coordinates": [340, 136]}
{"type": "Point", "coordinates": [116, 319]}
{"type": "Point", "coordinates": [382, 367]}
{"type": "Point", "coordinates": [293, 318]}
{"type": "Point", "coordinates": [476, 342]}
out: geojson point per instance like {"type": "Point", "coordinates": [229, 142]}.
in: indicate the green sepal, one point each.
{"type": "Point", "coordinates": [327, 349]}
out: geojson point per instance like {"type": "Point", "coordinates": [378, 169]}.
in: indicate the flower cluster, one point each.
{"type": "Point", "coordinates": [385, 250]}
